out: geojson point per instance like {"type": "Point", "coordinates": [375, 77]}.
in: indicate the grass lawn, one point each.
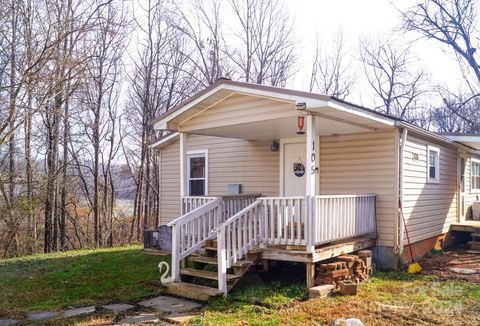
{"type": "Point", "coordinates": [73, 278]}
{"type": "Point", "coordinates": [385, 299]}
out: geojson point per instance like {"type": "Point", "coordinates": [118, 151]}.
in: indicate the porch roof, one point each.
{"type": "Point", "coordinates": [250, 111]}
{"type": "Point", "coordinates": [470, 140]}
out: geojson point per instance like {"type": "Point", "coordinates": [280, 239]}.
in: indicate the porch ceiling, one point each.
{"type": "Point", "coordinates": [244, 112]}
{"type": "Point", "coordinates": [281, 128]}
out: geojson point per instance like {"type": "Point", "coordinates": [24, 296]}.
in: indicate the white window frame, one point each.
{"type": "Point", "coordinates": [194, 154]}
{"type": "Point", "coordinates": [473, 190]}
{"type": "Point", "coordinates": [437, 164]}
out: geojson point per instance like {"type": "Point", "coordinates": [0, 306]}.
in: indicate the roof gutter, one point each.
{"type": "Point", "coordinates": [429, 134]}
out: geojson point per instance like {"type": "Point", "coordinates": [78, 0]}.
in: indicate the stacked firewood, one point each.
{"type": "Point", "coordinates": [354, 268]}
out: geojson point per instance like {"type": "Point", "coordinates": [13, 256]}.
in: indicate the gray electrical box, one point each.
{"type": "Point", "coordinates": [160, 239]}
{"type": "Point", "coordinates": [234, 189]}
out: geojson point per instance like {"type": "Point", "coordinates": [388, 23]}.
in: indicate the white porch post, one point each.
{"type": "Point", "coordinates": [311, 155]}
{"type": "Point", "coordinates": [183, 169]}
{"type": "Point", "coordinates": [311, 176]}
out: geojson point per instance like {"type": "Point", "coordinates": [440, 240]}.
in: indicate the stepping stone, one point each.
{"type": "Point", "coordinates": [118, 307]}
{"type": "Point", "coordinates": [465, 271]}
{"type": "Point", "coordinates": [170, 304]}
{"type": "Point", "coordinates": [7, 322]}
{"type": "Point", "coordinates": [143, 318]}
{"type": "Point", "coordinates": [347, 322]}
{"type": "Point", "coordinates": [320, 291]}
{"type": "Point", "coordinates": [78, 311]}
{"type": "Point", "coordinates": [179, 318]}
{"type": "Point", "coordinates": [41, 315]}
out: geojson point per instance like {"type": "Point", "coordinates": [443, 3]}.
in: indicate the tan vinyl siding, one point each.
{"type": "Point", "coordinates": [170, 182]}
{"type": "Point", "coordinates": [250, 163]}
{"type": "Point", "coordinates": [363, 163]}
{"type": "Point", "coordinates": [429, 208]}
{"type": "Point", "coordinates": [239, 109]}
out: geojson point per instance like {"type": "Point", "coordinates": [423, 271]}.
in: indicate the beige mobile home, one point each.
{"type": "Point", "coordinates": [295, 176]}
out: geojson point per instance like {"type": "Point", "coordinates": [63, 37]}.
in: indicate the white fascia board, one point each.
{"type": "Point", "coordinates": [164, 141]}
{"type": "Point", "coordinates": [464, 138]}
{"type": "Point", "coordinates": [163, 123]}
{"type": "Point", "coordinates": [432, 135]}
{"type": "Point", "coordinates": [310, 102]}
{"type": "Point", "coordinates": [360, 112]}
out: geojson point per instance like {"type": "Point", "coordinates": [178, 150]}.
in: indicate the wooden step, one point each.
{"type": "Point", "coordinates": [214, 261]}
{"type": "Point", "coordinates": [206, 274]}
{"type": "Point", "coordinates": [475, 235]}
{"type": "Point", "coordinates": [192, 291]}
{"type": "Point", "coordinates": [210, 248]}
{"type": "Point", "coordinates": [474, 245]}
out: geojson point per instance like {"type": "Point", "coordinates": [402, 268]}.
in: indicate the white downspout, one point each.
{"type": "Point", "coordinates": [403, 139]}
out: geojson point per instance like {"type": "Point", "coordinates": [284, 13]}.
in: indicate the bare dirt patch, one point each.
{"type": "Point", "coordinates": [440, 265]}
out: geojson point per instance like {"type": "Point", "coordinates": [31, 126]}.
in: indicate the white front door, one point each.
{"type": "Point", "coordinates": [294, 156]}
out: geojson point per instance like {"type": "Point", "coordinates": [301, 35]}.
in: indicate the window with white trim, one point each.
{"type": "Point", "coordinates": [475, 175]}
{"type": "Point", "coordinates": [433, 164]}
{"type": "Point", "coordinates": [197, 173]}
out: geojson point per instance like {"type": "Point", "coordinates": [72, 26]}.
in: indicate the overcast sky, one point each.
{"type": "Point", "coordinates": [357, 19]}
{"type": "Point", "coordinates": [365, 19]}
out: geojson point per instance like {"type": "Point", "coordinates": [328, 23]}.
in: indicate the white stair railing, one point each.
{"type": "Point", "coordinates": [235, 237]}
{"type": "Point", "coordinates": [191, 230]}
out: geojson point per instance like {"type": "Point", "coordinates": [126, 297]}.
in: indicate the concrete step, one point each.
{"type": "Point", "coordinates": [214, 261]}
{"type": "Point", "coordinates": [206, 274]}
{"type": "Point", "coordinates": [192, 291]}
{"type": "Point", "coordinates": [474, 245]}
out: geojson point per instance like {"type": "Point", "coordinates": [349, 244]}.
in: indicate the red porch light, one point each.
{"type": "Point", "coordinates": [301, 125]}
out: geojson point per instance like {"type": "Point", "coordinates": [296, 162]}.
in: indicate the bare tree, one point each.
{"type": "Point", "coordinates": [453, 23]}
{"type": "Point", "coordinates": [202, 26]}
{"type": "Point", "coordinates": [331, 70]}
{"type": "Point", "coordinates": [458, 112]}
{"type": "Point", "coordinates": [388, 70]}
{"type": "Point", "coordinates": [163, 76]}
{"type": "Point", "coordinates": [267, 52]}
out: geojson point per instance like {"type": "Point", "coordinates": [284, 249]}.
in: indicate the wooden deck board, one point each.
{"type": "Point", "coordinates": [465, 226]}
{"type": "Point", "coordinates": [323, 252]}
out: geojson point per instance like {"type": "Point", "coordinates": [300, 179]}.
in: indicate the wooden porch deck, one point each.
{"type": "Point", "coordinates": [465, 226]}
{"type": "Point", "coordinates": [305, 229]}
{"type": "Point", "coordinates": [322, 252]}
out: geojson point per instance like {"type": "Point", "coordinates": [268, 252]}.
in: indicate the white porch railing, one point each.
{"type": "Point", "coordinates": [304, 221]}
{"type": "Point", "coordinates": [344, 216]}
{"type": "Point", "coordinates": [285, 220]}
{"type": "Point", "coordinates": [232, 204]}
{"type": "Point", "coordinates": [191, 230]}
{"type": "Point", "coordinates": [189, 203]}
{"type": "Point", "coordinates": [235, 237]}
